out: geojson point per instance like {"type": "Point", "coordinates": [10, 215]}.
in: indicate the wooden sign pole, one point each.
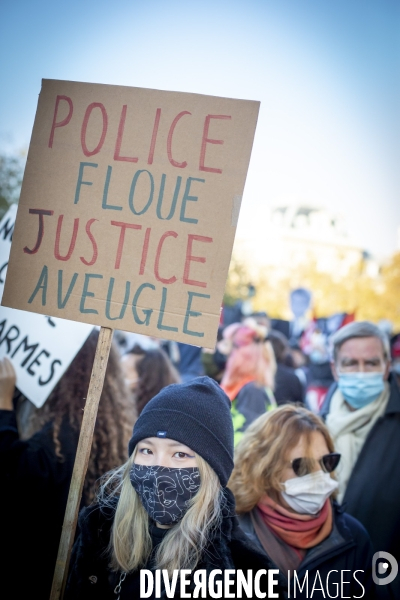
{"type": "Point", "coordinates": [81, 462]}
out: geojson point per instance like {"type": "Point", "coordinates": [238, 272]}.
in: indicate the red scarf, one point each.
{"type": "Point", "coordinates": [296, 530]}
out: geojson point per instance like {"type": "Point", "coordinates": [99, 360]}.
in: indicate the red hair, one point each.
{"type": "Point", "coordinates": [252, 359]}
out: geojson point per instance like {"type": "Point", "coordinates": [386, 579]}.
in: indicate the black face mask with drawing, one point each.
{"type": "Point", "coordinates": [165, 492]}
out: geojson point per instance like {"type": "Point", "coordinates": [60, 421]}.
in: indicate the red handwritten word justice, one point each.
{"type": "Point", "coordinates": [123, 227]}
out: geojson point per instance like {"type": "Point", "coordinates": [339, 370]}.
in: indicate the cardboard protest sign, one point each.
{"type": "Point", "coordinates": [129, 208]}
{"type": "Point", "coordinates": [40, 348]}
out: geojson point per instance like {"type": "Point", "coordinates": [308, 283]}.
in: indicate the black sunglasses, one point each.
{"type": "Point", "coordinates": [305, 466]}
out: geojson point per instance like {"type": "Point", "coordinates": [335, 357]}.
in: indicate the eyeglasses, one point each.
{"type": "Point", "coordinates": [305, 466]}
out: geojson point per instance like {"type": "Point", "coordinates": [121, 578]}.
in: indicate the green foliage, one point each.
{"type": "Point", "coordinates": [11, 172]}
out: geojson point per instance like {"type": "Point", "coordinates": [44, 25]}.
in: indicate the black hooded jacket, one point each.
{"type": "Point", "coordinates": [91, 578]}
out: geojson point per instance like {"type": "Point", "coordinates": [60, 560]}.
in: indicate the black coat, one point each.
{"type": "Point", "coordinates": [91, 578]}
{"type": "Point", "coordinates": [288, 387]}
{"type": "Point", "coordinates": [319, 375]}
{"type": "Point", "coordinates": [373, 492]}
{"type": "Point", "coordinates": [35, 486]}
{"type": "Point", "coordinates": [348, 548]}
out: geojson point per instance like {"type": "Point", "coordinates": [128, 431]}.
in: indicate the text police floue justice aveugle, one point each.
{"type": "Point", "coordinates": [185, 191]}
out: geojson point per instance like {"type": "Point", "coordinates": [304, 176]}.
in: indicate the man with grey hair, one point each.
{"type": "Point", "coordinates": [362, 412]}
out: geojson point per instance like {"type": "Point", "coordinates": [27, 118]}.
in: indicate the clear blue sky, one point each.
{"type": "Point", "coordinates": [326, 72]}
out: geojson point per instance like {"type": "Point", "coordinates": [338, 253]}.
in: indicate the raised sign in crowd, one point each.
{"type": "Point", "coordinates": [262, 462]}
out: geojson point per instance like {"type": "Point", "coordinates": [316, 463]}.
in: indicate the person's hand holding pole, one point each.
{"type": "Point", "coordinates": [7, 384]}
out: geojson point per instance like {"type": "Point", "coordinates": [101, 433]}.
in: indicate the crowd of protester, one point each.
{"type": "Point", "coordinates": [279, 450]}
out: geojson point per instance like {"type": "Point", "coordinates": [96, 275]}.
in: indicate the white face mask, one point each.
{"type": "Point", "coordinates": [307, 495]}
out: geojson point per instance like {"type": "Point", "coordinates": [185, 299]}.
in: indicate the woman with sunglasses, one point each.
{"type": "Point", "coordinates": [284, 488]}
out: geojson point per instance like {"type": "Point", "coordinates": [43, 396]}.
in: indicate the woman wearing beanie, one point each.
{"type": "Point", "coordinates": [284, 486]}
{"type": "Point", "coordinates": [167, 508]}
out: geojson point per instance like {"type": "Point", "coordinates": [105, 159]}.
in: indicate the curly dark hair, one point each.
{"type": "Point", "coordinates": [155, 371]}
{"type": "Point", "coordinates": [115, 418]}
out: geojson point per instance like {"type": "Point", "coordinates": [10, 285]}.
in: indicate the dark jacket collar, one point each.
{"type": "Point", "coordinates": [229, 548]}
{"type": "Point", "coordinates": [393, 405]}
{"type": "Point", "coordinates": [340, 539]}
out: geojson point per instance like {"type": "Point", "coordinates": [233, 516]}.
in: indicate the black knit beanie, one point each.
{"type": "Point", "coordinates": [196, 414]}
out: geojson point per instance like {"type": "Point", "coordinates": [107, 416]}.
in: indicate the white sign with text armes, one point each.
{"type": "Point", "coordinates": [40, 348]}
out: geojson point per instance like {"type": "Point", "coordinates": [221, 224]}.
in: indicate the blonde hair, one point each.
{"type": "Point", "coordinates": [261, 455]}
{"type": "Point", "coordinates": [183, 545]}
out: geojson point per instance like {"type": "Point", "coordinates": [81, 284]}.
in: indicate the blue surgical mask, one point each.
{"type": "Point", "coordinates": [317, 357]}
{"type": "Point", "coordinates": [360, 389]}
